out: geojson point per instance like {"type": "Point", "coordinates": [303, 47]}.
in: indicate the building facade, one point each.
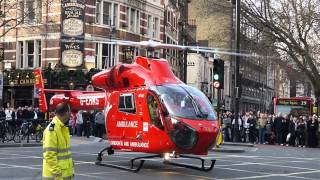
{"type": "Point", "coordinates": [198, 75]}
{"type": "Point", "coordinates": [72, 34]}
{"type": "Point", "coordinates": [257, 72]}
{"type": "Point", "coordinates": [214, 23]}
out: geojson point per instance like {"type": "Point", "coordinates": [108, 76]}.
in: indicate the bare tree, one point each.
{"type": "Point", "coordinates": [293, 27]}
{"type": "Point", "coordinates": [16, 12]}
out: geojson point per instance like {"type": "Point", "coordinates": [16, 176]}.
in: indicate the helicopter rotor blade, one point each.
{"type": "Point", "coordinates": [158, 45]}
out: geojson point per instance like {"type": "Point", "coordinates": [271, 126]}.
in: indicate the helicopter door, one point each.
{"type": "Point", "coordinates": [127, 119]}
{"type": "Point", "coordinates": [154, 112]}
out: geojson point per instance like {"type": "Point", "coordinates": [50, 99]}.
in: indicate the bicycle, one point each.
{"type": "Point", "coordinates": [40, 127]}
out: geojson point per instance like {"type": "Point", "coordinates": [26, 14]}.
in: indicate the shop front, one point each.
{"type": "Point", "coordinates": [18, 88]}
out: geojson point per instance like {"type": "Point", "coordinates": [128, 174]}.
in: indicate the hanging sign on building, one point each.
{"type": "Point", "coordinates": [72, 39]}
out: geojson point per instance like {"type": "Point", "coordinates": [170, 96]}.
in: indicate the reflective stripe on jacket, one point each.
{"type": "Point", "coordinates": [57, 160]}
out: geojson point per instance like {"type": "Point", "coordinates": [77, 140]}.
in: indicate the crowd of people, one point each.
{"type": "Point", "coordinates": [15, 116]}
{"type": "Point", "coordinates": [263, 128]}
{"type": "Point", "coordinates": [88, 123]}
{"type": "Point", "coordinates": [83, 123]}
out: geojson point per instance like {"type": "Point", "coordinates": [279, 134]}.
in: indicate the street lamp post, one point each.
{"type": "Point", "coordinates": [237, 94]}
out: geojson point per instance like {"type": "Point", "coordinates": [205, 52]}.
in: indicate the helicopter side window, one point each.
{"type": "Point", "coordinates": [126, 103]}
{"type": "Point", "coordinates": [154, 112]}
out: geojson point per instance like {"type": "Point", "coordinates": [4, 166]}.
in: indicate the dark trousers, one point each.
{"type": "Point", "coordinates": [292, 140]}
{"type": "Point", "coordinates": [99, 130]}
{"type": "Point", "coordinates": [313, 139]}
{"type": "Point", "coordinates": [301, 139]}
{"type": "Point", "coordinates": [252, 135]}
{"type": "Point", "coordinates": [87, 129]}
{"type": "Point", "coordinates": [279, 137]}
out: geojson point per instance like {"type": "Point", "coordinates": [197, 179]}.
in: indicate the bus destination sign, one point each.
{"type": "Point", "coordinates": [293, 102]}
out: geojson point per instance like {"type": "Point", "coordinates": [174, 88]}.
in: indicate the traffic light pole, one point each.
{"type": "Point", "coordinates": [237, 95]}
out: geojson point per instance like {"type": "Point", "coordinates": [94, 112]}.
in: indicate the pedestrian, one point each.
{"type": "Point", "coordinates": [278, 127]}
{"type": "Point", "coordinates": [99, 124]}
{"type": "Point", "coordinates": [226, 119]}
{"type": "Point", "coordinates": [262, 127]}
{"type": "Point", "coordinates": [292, 131]}
{"type": "Point", "coordinates": [252, 128]}
{"type": "Point", "coordinates": [284, 129]}
{"type": "Point", "coordinates": [312, 128]}
{"type": "Point", "coordinates": [57, 160]}
{"type": "Point", "coordinates": [245, 129]}
{"type": "Point", "coordinates": [86, 123]}
{"type": "Point", "coordinates": [235, 127]}
{"type": "Point", "coordinates": [301, 126]}
{"type": "Point", "coordinates": [79, 123]}
{"type": "Point", "coordinates": [269, 131]}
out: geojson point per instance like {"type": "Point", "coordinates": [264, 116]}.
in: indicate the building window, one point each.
{"type": "Point", "coordinates": [39, 53]}
{"type": "Point", "coordinates": [29, 54]}
{"type": "Point", "coordinates": [20, 52]}
{"type": "Point", "coordinates": [132, 19]}
{"type": "Point", "coordinates": [149, 25]}
{"type": "Point", "coordinates": [156, 28]}
{"type": "Point", "coordinates": [106, 55]}
{"type": "Point", "coordinates": [106, 13]}
{"type": "Point", "coordinates": [115, 15]}
{"type": "Point", "coordinates": [97, 56]}
{"type": "Point", "coordinates": [138, 22]}
{"type": "Point", "coordinates": [98, 12]}
{"type": "Point", "coordinates": [30, 11]}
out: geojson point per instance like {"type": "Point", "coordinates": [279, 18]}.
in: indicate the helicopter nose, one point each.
{"type": "Point", "coordinates": [207, 133]}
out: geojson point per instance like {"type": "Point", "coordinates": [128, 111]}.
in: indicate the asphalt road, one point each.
{"type": "Point", "coordinates": [260, 162]}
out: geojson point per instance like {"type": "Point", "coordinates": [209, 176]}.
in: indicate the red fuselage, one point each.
{"type": "Point", "coordinates": [148, 109]}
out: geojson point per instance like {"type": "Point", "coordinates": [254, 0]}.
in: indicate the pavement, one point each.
{"type": "Point", "coordinates": [261, 162]}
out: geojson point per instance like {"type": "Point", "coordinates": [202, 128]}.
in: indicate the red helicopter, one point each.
{"type": "Point", "coordinates": [147, 109]}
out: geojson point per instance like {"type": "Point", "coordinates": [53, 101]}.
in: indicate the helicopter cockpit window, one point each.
{"type": "Point", "coordinates": [154, 112]}
{"type": "Point", "coordinates": [126, 103]}
{"type": "Point", "coordinates": [185, 101]}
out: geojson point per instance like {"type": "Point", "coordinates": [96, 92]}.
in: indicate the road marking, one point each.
{"type": "Point", "coordinates": [21, 158]}
{"type": "Point", "coordinates": [15, 166]}
{"type": "Point", "coordinates": [298, 177]}
{"type": "Point", "coordinates": [273, 157]}
{"type": "Point", "coordinates": [189, 175]}
{"type": "Point", "coordinates": [21, 155]}
{"type": "Point", "coordinates": [240, 170]}
{"type": "Point", "coordinates": [99, 173]}
{"type": "Point", "coordinates": [281, 175]}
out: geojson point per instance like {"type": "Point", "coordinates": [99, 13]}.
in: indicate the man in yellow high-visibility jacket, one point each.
{"type": "Point", "coordinates": [57, 160]}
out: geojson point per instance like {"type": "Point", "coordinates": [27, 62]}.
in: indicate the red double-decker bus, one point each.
{"type": "Point", "coordinates": [293, 106]}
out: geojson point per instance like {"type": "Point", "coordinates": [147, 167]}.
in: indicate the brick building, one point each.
{"type": "Point", "coordinates": [71, 34]}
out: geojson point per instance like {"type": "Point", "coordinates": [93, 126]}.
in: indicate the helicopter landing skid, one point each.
{"type": "Point", "coordinates": [132, 169]}
{"type": "Point", "coordinates": [142, 159]}
{"type": "Point", "coordinates": [202, 168]}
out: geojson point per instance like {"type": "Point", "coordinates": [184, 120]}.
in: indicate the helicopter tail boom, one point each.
{"type": "Point", "coordinates": [78, 100]}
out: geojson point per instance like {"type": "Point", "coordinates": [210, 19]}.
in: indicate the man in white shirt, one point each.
{"type": "Point", "coordinates": [79, 123]}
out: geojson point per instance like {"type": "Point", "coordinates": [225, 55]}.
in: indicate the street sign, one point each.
{"type": "Point", "coordinates": [216, 84]}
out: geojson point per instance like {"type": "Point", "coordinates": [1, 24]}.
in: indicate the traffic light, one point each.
{"type": "Point", "coordinates": [218, 74]}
